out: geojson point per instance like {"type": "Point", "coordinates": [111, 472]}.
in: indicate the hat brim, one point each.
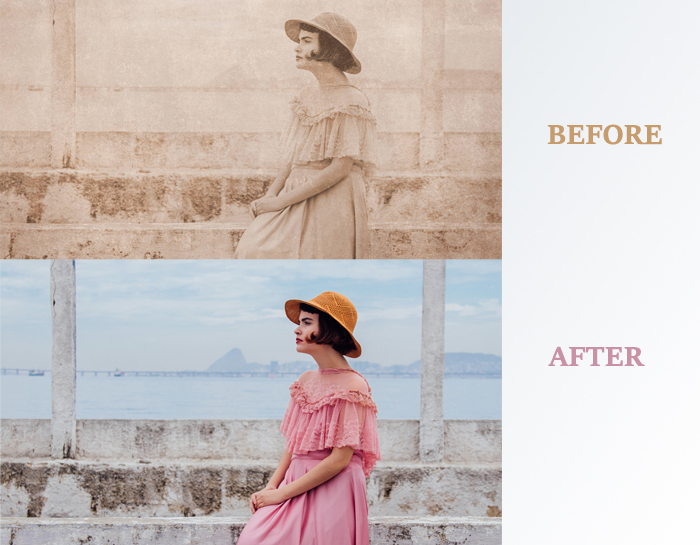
{"type": "Point", "coordinates": [292, 310]}
{"type": "Point", "coordinates": [292, 29]}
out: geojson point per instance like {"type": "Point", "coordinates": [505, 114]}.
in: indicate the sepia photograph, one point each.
{"type": "Point", "coordinates": [250, 129]}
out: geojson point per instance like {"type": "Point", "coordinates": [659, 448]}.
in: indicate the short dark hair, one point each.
{"type": "Point", "coordinates": [331, 50]}
{"type": "Point", "coordinates": [329, 331]}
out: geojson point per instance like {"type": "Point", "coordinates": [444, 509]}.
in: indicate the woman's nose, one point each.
{"type": "Point", "coordinates": [297, 330]}
{"type": "Point", "coordinates": [297, 48]}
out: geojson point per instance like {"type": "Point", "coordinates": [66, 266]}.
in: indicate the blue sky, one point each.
{"type": "Point", "coordinates": [176, 315]}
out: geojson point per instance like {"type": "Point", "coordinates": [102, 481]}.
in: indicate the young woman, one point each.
{"type": "Point", "coordinates": [317, 495]}
{"type": "Point", "coordinates": [316, 208]}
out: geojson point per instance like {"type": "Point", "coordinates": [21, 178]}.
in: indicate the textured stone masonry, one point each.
{"type": "Point", "coordinates": [225, 531]}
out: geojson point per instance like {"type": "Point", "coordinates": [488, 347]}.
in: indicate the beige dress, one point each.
{"type": "Point", "coordinates": [327, 122]}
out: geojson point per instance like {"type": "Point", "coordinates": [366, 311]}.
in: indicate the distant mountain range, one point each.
{"type": "Point", "coordinates": [455, 362]}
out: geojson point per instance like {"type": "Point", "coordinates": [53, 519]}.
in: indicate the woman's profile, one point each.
{"type": "Point", "coordinates": [317, 494]}
{"type": "Point", "coordinates": [316, 208]}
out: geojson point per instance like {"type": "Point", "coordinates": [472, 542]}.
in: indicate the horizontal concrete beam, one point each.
{"type": "Point", "coordinates": [42, 488]}
{"type": "Point", "coordinates": [466, 441]}
{"type": "Point", "coordinates": [474, 153]}
{"type": "Point", "coordinates": [225, 531]}
{"type": "Point", "coordinates": [219, 240]}
{"type": "Point", "coordinates": [223, 196]}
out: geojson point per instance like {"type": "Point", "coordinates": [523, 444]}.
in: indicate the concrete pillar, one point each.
{"type": "Point", "coordinates": [63, 443]}
{"type": "Point", "coordinates": [432, 67]}
{"type": "Point", "coordinates": [432, 362]}
{"type": "Point", "coordinates": [63, 84]}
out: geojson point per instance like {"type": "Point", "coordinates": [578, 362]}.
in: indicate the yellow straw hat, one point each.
{"type": "Point", "coordinates": [331, 23]}
{"type": "Point", "coordinates": [334, 304]}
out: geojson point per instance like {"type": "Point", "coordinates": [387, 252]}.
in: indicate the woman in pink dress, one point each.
{"type": "Point", "coordinates": [316, 206]}
{"type": "Point", "coordinates": [317, 495]}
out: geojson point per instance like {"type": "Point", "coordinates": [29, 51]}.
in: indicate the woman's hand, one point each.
{"type": "Point", "coordinates": [268, 496]}
{"type": "Point", "coordinates": [265, 205]}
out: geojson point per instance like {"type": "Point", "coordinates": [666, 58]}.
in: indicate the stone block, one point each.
{"type": "Point", "coordinates": [25, 149]}
{"type": "Point", "coordinates": [225, 531]}
{"type": "Point", "coordinates": [466, 441]}
{"type": "Point", "coordinates": [42, 488]}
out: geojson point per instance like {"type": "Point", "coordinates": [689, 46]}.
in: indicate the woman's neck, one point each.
{"type": "Point", "coordinates": [330, 359]}
{"type": "Point", "coordinates": [327, 74]}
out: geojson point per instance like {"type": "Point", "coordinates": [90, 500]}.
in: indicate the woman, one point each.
{"type": "Point", "coordinates": [316, 208]}
{"type": "Point", "coordinates": [317, 495]}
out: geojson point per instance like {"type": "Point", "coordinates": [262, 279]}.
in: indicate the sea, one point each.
{"type": "Point", "coordinates": [156, 398]}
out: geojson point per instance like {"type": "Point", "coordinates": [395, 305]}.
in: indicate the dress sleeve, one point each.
{"type": "Point", "coordinates": [342, 131]}
{"type": "Point", "coordinates": [341, 419]}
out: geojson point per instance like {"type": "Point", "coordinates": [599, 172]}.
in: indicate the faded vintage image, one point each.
{"type": "Point", "coordinates": [142, 129]}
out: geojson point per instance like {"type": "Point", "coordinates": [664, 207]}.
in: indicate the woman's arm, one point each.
{"type": "Point", "coordinates": [275, 480]}
{"type": "Point", "coordinates": [338, 169]}
{"type": "Point", "coordinates": [282, 467]}
{"type": "Point", "coordinates": [278, 184]}
{"type": "Point", "coordinates": [325, 470]}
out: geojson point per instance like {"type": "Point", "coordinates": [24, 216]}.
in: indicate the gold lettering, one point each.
{"type": "Point", "coordinates": [651, 134]}
{"type": "Point", "coordinates": [575, 131]}
{"type": "Point", "coordinates": [632, 132]}
{"type": "Point", "coordinates": [606, 133]}
{"type": "Point", "coordinates": [556, 131]}
{"type": "Point", "coordinates": [592, 134]}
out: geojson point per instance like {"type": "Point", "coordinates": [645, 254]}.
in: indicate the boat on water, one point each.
{"type": "Point", "coordinates": [118, 373]}
{"type": "Point", "coordinates": [36, 373]}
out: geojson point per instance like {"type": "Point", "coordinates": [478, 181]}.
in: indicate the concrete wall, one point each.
{"type": "Point", "coordinates": [225, 531]}
{"type": "Point", "coordinates": [466, 441]}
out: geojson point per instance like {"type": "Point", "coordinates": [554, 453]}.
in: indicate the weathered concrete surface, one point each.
{"type": "Point", "coordinates": [222, 196]}
{"type": "Point", "coordinates": [25, 438]}
{"type": "Point", "coordinates": [470, 153]}
{"type": "Point", "coordinates": [432, 357]}
{"type": "Point", "coordinates": [67, 488]}
{"type": "Point", "coordinates": [63, 354]}
{"type": "Point", "coordinates": [466, 441]}
{"type": "Point", "coordinates": [225, 531]}
{"type": "Point", "coordinates": [219, 240]}
{"type": "Point", "coordinates": [432, 65]}
{"type": "Point", "coordinates": [63, 84]}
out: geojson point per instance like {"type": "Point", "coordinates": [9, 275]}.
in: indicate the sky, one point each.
{"type": "Point", "coordinates": [184, 315]}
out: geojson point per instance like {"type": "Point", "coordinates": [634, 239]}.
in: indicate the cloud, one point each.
{"type": "Point", "coordinates": [485, 307]}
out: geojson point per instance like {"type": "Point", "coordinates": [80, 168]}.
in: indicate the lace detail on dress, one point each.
{"type": "Point", "coordinates": [313, 395]}
{"type": "Point", "coordinates": [339, 130]}
{"type": "Point", "coordinates": [330, 411]}
{"type": "Point", "coordinates": [355, 110]}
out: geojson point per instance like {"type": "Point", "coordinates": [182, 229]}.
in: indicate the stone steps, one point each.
{"type": "Point", "coordinates": [66, 488]}
{"type": "Point", "coordinates": [225, 531]}
{"type": "Point", "coordinates": [218, 241]}
{"type": "Point", "coordinates": [200, 213]}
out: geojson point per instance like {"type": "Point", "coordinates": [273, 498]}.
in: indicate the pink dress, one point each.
{"type": "Point", "coordinates": [328, 408]}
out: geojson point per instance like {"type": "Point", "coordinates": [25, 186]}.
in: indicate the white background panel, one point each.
{"type": "Point", "coordinates": [601, 248]}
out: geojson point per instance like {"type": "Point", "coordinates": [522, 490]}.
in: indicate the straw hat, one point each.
{"type": "Point", "coordinates": [336, 25]}
{"type": "Point", "coordinates": [335, 305]}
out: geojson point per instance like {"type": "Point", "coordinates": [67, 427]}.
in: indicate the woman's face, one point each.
{"type": "Point", "coordinates": [308, 43]}
{"type": "Point", "coordinates": [308, 324]}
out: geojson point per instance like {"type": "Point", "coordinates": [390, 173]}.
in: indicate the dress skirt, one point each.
{"type": "Point", "coordinates": [334, 513]}
{"type": "Point", "coordinates": [329, 225]}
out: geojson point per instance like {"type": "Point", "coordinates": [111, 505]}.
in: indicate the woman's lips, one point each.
{"type": "Point", "coordinates": [299, 340]}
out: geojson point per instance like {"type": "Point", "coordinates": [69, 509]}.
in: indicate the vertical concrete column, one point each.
{"type": "Point", "coordinates": [63, 444]}
{"type": "Point", "coordinates": [432, 362]}
{"type": "Point", "coordinates": [432, 66]}
{"type": "Point", "coordinates": [63, 84]}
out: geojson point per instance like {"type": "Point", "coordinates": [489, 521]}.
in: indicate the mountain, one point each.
{"type": "Point", "coordinates": [232, 361]}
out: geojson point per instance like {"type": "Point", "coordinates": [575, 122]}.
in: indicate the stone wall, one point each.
{"type": "Point", "coordinates": [466, 441]}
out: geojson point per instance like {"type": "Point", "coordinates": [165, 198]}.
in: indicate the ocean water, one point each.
{"type": "Point", "coordinates": [230, 398]}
